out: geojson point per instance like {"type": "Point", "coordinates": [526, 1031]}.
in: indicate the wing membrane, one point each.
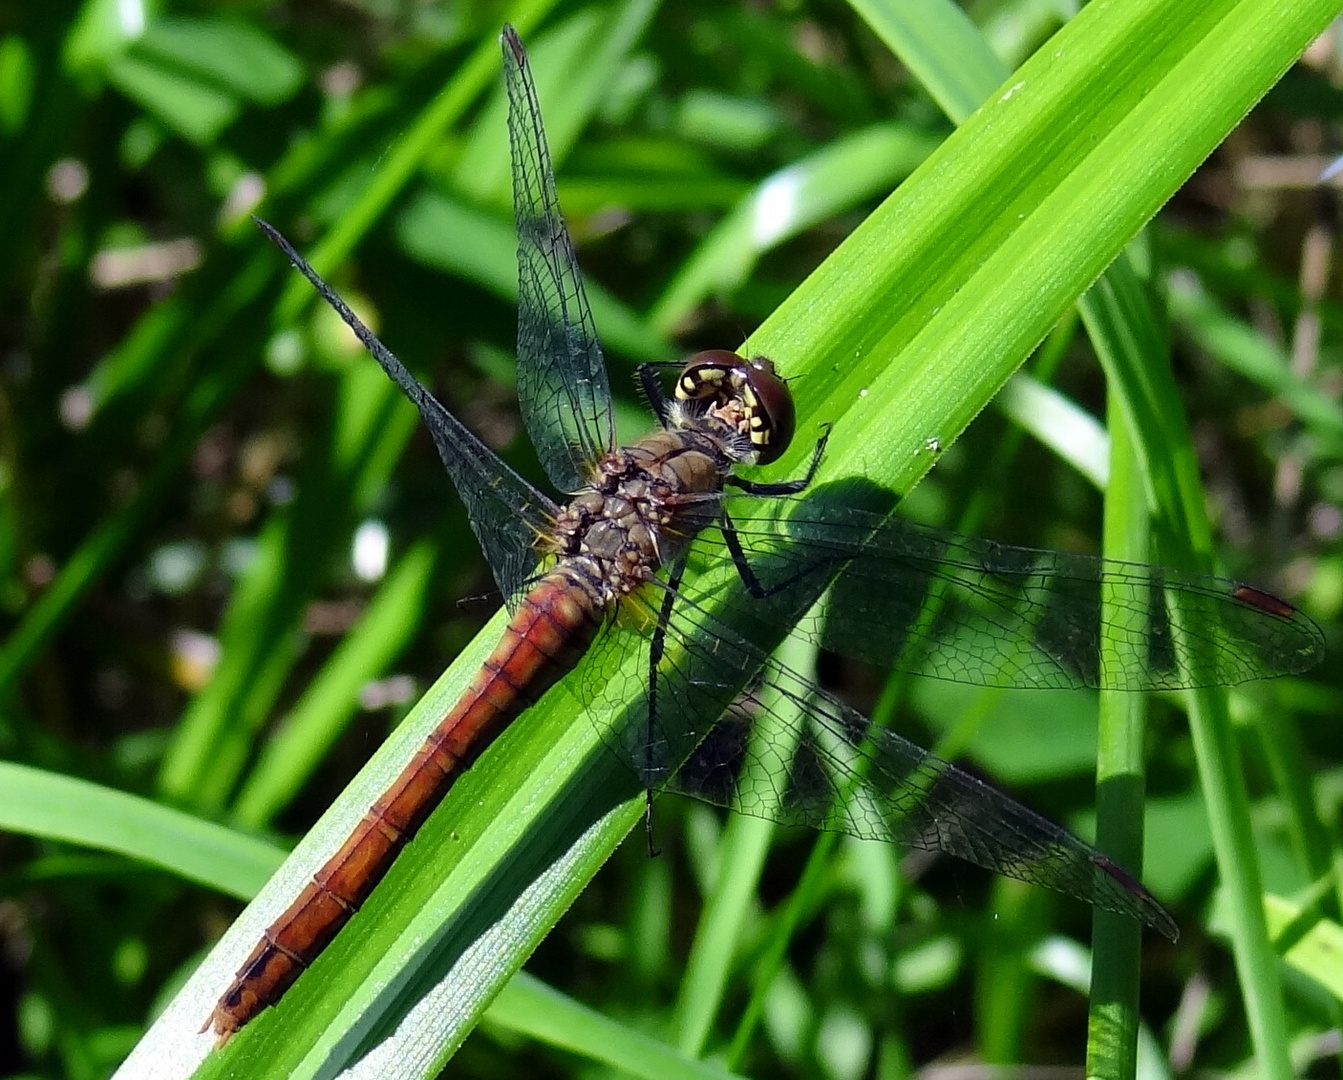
{"type": "Point", "coordinates": [784, 750]}
{"type": "Point", "coordinates": [562, 387]}
{"type": "Point", "coordinates": [505, 511]}
{"type": "Point", "coordinates": [932, 602]}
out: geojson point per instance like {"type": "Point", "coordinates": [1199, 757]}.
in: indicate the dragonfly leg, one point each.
{"type": "Point", "coordinates": [785, 487]}
{"type": "Point", "coordinates": [656, 648]}
{"type": "Point", "coordinates": [757, 588]}
{"type": "Point", "coordinates": [653, 850]}
{"type": "Point", "coordinates": [658, 400]}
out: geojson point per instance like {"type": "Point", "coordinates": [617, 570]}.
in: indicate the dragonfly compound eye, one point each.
{"type": "Point", "coordinates": [724, 380]}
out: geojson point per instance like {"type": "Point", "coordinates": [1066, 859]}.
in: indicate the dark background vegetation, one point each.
{"type": "Point", "coordinates": [161, 430]}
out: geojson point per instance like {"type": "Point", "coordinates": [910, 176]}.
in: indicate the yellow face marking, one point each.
{"type": "Point", "coordinates": [729, 386]}
{"type": "Point", "coordinates": [703, 382]}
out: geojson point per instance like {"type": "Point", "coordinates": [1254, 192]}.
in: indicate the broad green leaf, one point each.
{"type": "Point", "coordinates": [43, 804]}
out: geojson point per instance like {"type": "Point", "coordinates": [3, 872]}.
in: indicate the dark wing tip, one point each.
{"type": "Point", "coordinates": [1311, 648]}
{"type": "Point", "coordinates": [1149, 910]}
{"type": "Point", "coordinates": [300, 263]}
{"type": "Point", "coordinates": [270, 230]}
{"type": "Point", "coordinates": [513, 44]}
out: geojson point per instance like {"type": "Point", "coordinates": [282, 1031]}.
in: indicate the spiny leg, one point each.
{"type": "Point", "coordinates": [656, 649]}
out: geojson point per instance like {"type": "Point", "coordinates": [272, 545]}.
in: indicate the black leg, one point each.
{"type": "Point", "coordinates": [785, 487]}
{"type": "Point", "coordinates": [653, 851]}
{"type": "Point", "coordinates": [657, 646]}
{"type": "Point", "coordinates": [652, 388]}
{"type": "Point", "coordinates": [757, 588]}
{"type": "Point", "coordinates": [753, 584]}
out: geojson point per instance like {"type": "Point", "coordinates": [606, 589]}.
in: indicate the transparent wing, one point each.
{"type": "Point", "coordinates": [562, 388]}
{"type": "Point", "coordinates": [784, 750]}
{"type": "Point", "coordinates": [506, 512]}
{"type": "Point", "coordinates": [931, 602]}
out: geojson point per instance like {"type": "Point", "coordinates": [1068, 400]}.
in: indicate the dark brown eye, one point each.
{"type": "Point", "coordinates": [775, 404]}
{"type": "Point", "coordinates": [723, 377]}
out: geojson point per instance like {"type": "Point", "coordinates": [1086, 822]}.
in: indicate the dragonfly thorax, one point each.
{"type": "Point", "coordinates": [741, 402]}
{"type": "Point", "coordinates": [645, 503]}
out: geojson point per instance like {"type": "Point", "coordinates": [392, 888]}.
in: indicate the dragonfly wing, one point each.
{"type": "Point", "coordinates": [979, 612]}
{"type": "Point", "coordinates": [788, 752]}
{"type": "Point", "coordinates": [562, 387]}
{"type": "Point", "coordinates": [784, 750]}
{"type": "Point", "coordinates": [506, 512]}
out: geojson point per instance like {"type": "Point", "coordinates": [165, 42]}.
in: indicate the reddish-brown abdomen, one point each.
{"type": "Point", "coordinates": [551, 628]}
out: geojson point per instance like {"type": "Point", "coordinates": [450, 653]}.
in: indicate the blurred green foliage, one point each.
{"type": "Point", "coordinates": [198, 470]}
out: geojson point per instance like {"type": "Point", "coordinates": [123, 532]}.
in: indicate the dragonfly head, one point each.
{"type": "Point", "coordinates": [748, 393]}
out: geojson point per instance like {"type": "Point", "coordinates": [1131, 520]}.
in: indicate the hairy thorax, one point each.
{"type": "Point", "coordinates": [646, 502]}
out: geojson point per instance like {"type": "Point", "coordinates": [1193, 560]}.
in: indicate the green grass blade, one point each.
{"type": "Point", "coordinates": [1146, 390]}
{"type": "Point", "coordinates": [329, 702]}
{"type": "Point", "coordinates": [942, 47]}
{"type": "Point", "coordinates": [1236, 345]}
{"type": "Point", "coordinates": [166, 333]}
{"type": "Point", "coordinates": [528, 1007]}
{"type": "Point", "coordinates": [260, 637]}
{"type": "Point", "coordinates": [815, 189]}
{"type": "Point", "coordinates": [43, 804]}
{"type": "Point", "coordinates": [953, 279]}
{"type": "Point", "coordinates": [1112, 1037]}
{"type": "Point", "coordinates": [406, 156]}
{"type": "Point", "coordinates": [739, 865]}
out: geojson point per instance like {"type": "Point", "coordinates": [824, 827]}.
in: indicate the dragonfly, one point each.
{"type": "Point", "coordinates": [667, 563]}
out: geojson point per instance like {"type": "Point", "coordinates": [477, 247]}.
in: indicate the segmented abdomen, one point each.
{"type": "Point", "coordinates": [549, 632]}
